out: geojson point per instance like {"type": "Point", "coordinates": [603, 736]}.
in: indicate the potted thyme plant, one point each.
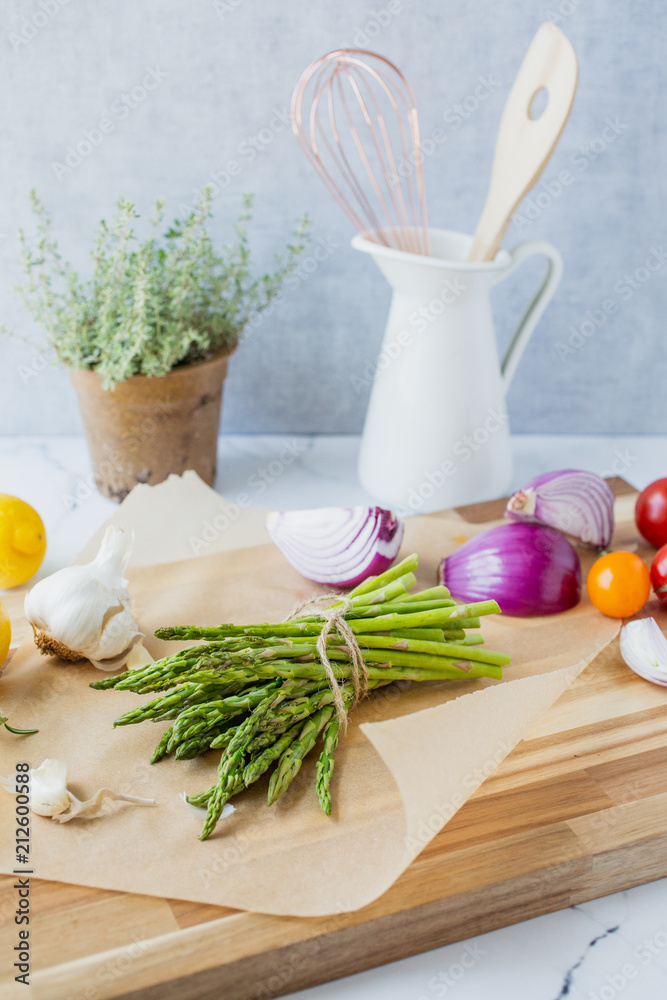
{"type": "Point", "coordinates": [147, 337]}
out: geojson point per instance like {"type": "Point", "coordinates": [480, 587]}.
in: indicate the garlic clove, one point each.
{"type": "Point", "coordinates": [83, 612]}
{"type": "Point", "coordinates": [134, 658]}
{"type": "Point", "coordinates": [50, 796]}
{"type": "Point", "coordinates": [48, 788]}
{"type": "Point", "coordinates": [111, 663]}
{"type": "Point", "coordinates": [644, 649]}
{"type": "Point", "coordinates": [118, 636]}
{"type": "Point", "coordinates": [138, 657]}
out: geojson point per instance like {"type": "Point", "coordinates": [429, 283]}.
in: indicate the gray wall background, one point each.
{"type": "Point", "coordinates": [228, 71]}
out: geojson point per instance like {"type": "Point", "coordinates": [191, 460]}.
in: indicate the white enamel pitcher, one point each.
{"type": "Point", "coordinates": [437, 433]}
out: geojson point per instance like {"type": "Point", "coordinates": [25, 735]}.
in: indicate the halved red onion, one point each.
{"type": "Point", "coordinates": [337, 546]}
{"type": "Point", "coordinates": [527, 568]}
{"type": "Point", "coordinates": [574, 501]}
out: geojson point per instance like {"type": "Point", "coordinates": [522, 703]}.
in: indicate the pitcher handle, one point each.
{"type": "Point", "coordinates": [530, 318]}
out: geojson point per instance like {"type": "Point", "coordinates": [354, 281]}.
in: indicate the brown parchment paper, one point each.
{"type": "Point", "coordinates": [179, 519]}
{"type": "Point", "coordinates": [409, 761]}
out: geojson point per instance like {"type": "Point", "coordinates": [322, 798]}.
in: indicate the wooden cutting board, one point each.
{"type": "Point", "coordinates": [577, 810]}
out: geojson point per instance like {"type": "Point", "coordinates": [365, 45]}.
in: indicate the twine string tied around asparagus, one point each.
{"type": "Point", "coordinates": [335, 622]}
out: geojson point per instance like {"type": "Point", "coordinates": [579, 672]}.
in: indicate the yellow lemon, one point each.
{"type": "Point", "coordinates": [22, 541]}
{"type": "Point", "coordinates": [5, 633]}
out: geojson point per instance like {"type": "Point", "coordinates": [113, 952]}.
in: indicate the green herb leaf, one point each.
{"type": "Point", "coordinates": [151, 304]}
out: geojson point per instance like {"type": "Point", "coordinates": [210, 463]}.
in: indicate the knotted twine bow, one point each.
{"type": "Point", "coordinates": [335, 622]}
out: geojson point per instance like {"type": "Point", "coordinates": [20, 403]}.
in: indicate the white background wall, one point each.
{"type": "Point", "coordinates": [223, 74]}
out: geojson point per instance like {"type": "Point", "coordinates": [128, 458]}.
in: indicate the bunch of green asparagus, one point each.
{"type": "Point", "coordinates": [260, 693]}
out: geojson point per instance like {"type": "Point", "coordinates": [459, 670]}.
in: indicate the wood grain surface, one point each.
{"type": "Point", "coordinates": [577, 810]}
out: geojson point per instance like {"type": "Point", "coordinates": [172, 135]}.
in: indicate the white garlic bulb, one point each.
{"type": "Point", "coordinates": [83, 612]}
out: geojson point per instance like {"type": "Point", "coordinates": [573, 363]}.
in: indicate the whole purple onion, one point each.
{"type": "Point", "coordinates": [571, 500]}
{"type": "Point", "coordinates": [527, 568]}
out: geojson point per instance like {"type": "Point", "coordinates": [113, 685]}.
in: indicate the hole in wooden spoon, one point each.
{"type": "Point", "coordinates": [538, 103]}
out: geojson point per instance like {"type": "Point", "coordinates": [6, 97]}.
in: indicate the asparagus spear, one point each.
{"type": "Point", "coordinates": [161, 749]}
{"type": "Point", "coordinates": [261, 761]}
{"type": "Point", "coordinates": [196, 720]}
{"type": "Point", "coordinates": [435, 613]}
{"type": "Point", "coordinates": [183, 696]}
{"type": "Point", "coordinates": [290, 762]}
{"type": "Point", "coordinates": [195, 747]}
{"type": "Point", "coordinates": [391, 665]}
{"type": "Point", "coordinates": [407, 565]}
{"type": "Point", "coordinates": [325, 764]}
{"type": "Point", "coordinates": [432, 594]}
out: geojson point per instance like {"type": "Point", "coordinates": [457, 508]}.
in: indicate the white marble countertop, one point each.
{"type": "Point", "coordinates": [599, 950]}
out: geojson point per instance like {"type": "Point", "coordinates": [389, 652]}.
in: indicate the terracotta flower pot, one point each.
{"type": "Point", "coordinates": [148, 427]}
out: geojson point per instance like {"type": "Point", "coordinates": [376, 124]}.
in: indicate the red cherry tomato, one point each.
{"type": "Point", "coordinates": [619, 584]}
{"type": "Point", "coordinates": [651, 513]}
{"type": "Point", "coordinates": [659, 574]}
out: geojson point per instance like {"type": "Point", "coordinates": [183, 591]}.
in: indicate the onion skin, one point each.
{"type": "Point", "coordinates": [527, 568]}
{"type": "Point", "coordinates": [337, 546]}
{"type": "Point", "coordinates": [574, 501]}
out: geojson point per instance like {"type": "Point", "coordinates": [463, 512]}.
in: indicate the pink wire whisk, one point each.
{"type": "Point", "coordinates": [354, 115]}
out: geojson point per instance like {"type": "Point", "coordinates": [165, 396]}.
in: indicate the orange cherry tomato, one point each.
{"type": "Point", "coordinates": [619, 584]}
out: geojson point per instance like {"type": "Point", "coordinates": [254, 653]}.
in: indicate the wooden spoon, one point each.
{"type": "Point", "coordinates": [525, 144]}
